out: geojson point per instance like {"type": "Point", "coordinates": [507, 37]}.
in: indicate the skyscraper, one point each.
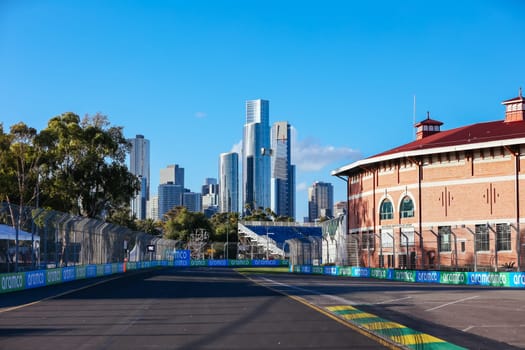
{"type": "Point", "coordinates": [320, 200]}
{"type": "Point", "coordinates": [139, 166]}
{"type": "Point", "coordinates": [170, 195]}
{"type": "Point", "coordinates": [210, 197]}
{"type": "Point", "coordinates": [172, 173]}
{"type": "Point", "coordinates": [229, 182]}
{"type": "Point", "coordinates": [283, 172]}
{"type": "Point", "coordinates": [256, 155]}
{"type": "Point", "coordinates": [192, 201]}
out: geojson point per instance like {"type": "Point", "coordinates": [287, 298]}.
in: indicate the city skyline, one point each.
{"type": "Point", "coordinates": [351, 78]}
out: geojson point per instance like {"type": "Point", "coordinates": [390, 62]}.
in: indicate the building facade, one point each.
{"type": "Point", "coordinates": [210, 197]}
{"type": "Point", "coordinates": [172, 174]}
{"type": "Point", "coordinates": [229, 182]}
{"type": "Point", "coordinates": [140, 166]}
{"type": "Point", "coordinates": [283, 172]}
{"type": "Point", "coordinates": [449, 199]}
{"type": "Point", "coordinates": [256, 155]}
{"type": "Point", "coordinates": [192, 201]}
{"type": "Point", "coordinates": [169, 195]}
{"type": "Point", "coordinates": [320, 201]}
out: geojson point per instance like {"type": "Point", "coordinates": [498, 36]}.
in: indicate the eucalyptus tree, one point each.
{"type": "Point", "coordinates": [86, 171]}
{"type": "Point", "coordinates": [20, 153]}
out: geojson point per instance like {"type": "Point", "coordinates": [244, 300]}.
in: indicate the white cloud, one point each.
{"type": "Point", "coordinates": [303, 186]}
{"type": "Point", "coordinates": [200, 115]}
{"type": "Point", "coordinates": [310, 156]}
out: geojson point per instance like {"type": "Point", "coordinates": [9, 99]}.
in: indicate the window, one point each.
{"type": "Point", "coordinates": [482, 238]}
{"type": "Point", "coordinates": [387, 210]}
{"type": "Point", "coordinates": [407, 208]}
{"type": "Point", "coordinates": [503, 241]}
{"type": "Point", "coordinates": [444, 233]}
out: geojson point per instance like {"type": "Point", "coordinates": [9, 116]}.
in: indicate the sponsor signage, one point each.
{"type": "Point", "coordinates": [405, 275]}
{"type": "Point", "coordinates": [360, 272]}
{"type": "Point", "coordinates": [54, 276]}
{"type": "Point", "coordinates": [35, 279]}
{"type": "Point", "coordinates": [428, 276]}
{"type": "Point", "coordinates": [198, 262]}
{"type": "Point", "coordinates": [182, 258]}
{"type": "Point", "coordinates": [517, 279]}
{"type": "Point", "coordinates": [243, 262]}
{"type": "Point", "coordinates": [11, 282]}
{"type": "Point", "coordinates": [384, 274]}
{"type": "Point", "coordinates": [220, 262]}
{"type": "Point", "coordinates": [453, 277]}
{"type": "Point", "coordinates": [68, 274]}
{"type": "Point", "coordinates": [493, 279]}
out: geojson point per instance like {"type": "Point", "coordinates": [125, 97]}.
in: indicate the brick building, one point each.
{"type": "Point", "coordinates": [450, 199]}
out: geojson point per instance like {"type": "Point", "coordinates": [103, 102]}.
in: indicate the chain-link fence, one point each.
{"type": "Point", "coordinates": [38, 238]}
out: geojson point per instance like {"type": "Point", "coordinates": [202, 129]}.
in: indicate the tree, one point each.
{"type": "Point", "coordinates": [19, 162]}
{"type": "Point", "coordinates": [149, 226]}
{"type": "Point", "coordinates": [225, 224]}
{"type": "Point", "coordinates": [180, 223]}
{"type": "Point", "coordinates": [87, 174]}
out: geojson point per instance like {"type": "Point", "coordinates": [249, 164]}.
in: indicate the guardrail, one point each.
{"type": "Point", "coordinates": [11, 282]}
{"type": "Point", "coordinates": [492, 279]}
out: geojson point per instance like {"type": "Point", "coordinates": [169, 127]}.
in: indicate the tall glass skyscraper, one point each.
{"type": "Point", "coordinates": [283, 172]}
{"type": "Point", "coordinates": [229, 182]}
{"type": "Point", "coordinates": [170, 195]}
{"type": "Point", "coordinates": [256, 155]}
{"type": "Point", "coordinates": [139, 166]}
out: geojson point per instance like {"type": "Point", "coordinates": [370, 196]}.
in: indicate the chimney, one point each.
{"type": "Point", "coordinates": [427, 127]}
{"type": "Point", "coordinates": [515, 109]}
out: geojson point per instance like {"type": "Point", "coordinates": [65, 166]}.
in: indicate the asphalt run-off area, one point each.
{"type": "Point", "coordinates": [220, 308]}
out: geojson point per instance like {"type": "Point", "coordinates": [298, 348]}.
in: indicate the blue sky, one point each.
{"type": "Point", "coordinates": [343, 73]}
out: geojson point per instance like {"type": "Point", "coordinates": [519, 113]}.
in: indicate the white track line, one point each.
{"type": "Point", "coordinates": [391, 301]}
{"type": "Point", "coordinates": [310, 291]}
{"type": "Point", "coordinates": [452, 302]}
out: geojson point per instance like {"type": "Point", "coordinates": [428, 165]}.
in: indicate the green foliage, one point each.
{"type": "Point", "coordinates": [86, 171]}
{"type": "Point", "coordinates": [149, 226]}
{"type": "Point", "coordinates": [225, 224]}
{"type": "Point", "coordinates": [180, 223]}
{"type": "Point", "coordinates": [71, 166]}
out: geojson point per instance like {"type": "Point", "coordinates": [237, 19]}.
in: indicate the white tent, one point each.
{"type": "Point", "coordinates": [8, 232]}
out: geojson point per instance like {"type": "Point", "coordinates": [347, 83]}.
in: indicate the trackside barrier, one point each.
{"type": "Point", "coordinates": [492, 279]}
{"type": "Point", "coordinates": [11, 282]}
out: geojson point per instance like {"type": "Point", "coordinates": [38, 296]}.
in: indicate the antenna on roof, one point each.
{"type": "Point", "coordinates": [428, 114]}
{"type": "Point", "coordinates": [520, 92]}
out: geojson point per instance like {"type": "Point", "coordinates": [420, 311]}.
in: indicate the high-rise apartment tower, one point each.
{"type": "Point", "coordinates": [229, 182]}
{"type": "Point", "coordinates": [139, 166]}
{"type": "Point", "coordinates": [283, 172]}
{"type": "Point", "coordinates": [256, 155]}
{"type": "Point", "coordinates": [320, 200]}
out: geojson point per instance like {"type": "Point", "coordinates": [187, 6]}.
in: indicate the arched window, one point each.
{"type": "Point", "coordinates": [386, 210]}
{"type": "Point", "coordinates": [407, 208]}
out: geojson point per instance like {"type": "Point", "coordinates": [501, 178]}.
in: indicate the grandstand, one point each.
{"type": "Point", "coordinates": [277, 240]}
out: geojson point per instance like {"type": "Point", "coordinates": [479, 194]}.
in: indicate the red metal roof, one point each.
{"type": "Point", "coordinates": [475, 133]}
